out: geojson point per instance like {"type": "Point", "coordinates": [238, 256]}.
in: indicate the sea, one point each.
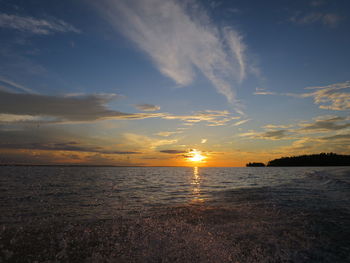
{"type": "Point", "coordinates": [174, 214]}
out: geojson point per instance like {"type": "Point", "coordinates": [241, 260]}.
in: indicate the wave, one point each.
{"type": "Point", "coordinates": [244, 232]}
{"type": "Point", "coordinates": [331, 178]}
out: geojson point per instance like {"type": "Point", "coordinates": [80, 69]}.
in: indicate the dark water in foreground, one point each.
{"type": "Point", "coordinates": [65, 214]}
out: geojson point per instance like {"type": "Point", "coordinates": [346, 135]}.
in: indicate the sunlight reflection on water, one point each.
{"type": "Point", "coordinates": [196, 186]}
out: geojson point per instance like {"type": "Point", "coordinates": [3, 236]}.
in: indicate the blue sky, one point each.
{"type": "Point", "coordinates": [144, 82]}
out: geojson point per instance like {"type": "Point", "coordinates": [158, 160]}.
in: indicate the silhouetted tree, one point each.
{"type": "Point", "coordinates": [255, 165]}
{"type": "Point", "coordinates": [322, 159]}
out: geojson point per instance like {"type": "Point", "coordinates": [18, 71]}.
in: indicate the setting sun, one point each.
{"type": "Point", "coordinates": [196, 156]}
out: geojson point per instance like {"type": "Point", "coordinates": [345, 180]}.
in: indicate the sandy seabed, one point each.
{"type": "Point", "coordinates": [245, 226]}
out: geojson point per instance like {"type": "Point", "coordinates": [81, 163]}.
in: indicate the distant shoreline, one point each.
{"type": "Point", "coordinates": [311, 160]}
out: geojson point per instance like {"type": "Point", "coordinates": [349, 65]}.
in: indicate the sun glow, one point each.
{"type": "Point", "coordinates": [196, 156]}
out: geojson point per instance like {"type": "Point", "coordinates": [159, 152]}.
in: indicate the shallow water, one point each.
{"type": "Point", "coordinates": [65, 214]}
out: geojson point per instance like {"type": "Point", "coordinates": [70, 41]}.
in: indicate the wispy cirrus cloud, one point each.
{"type": "Point", "coordinates": [9, 85]}
{"type": "Point", "coordinates": [274, 126]}
{"type": "Point", "coordinates": [167, 133]}
{"type": "Point", "coordinates": [181, 39]}
{"type": "Point", "coordinates": [212, 117]}
{"type": "Point", "coordinates": [35, 25]}
{"type": "Point", "coordinates": [238, 123]}
{"type": "Point", "coordinates": [325, 124]}
{"type": "Point", "coordinates": [339, 143]}
{"type": "Point", "coordinates": [268, 135]}
{"type": "Point", "coordinates": [317, 3]}
{"type": "Point", "coordinates": [331, 97]}
{"type": "Point", "coordinates": [339, 137]}
{"type": "Point", "coordinates": [327, 19]}
{"type": "Point", "coordinates": [147, 107]}
{"type": "Point", "coordinates": [262, 91]}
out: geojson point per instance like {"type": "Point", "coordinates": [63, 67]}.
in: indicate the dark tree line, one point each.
{"type": "Point", "coordinates": [255, 165]}
{"type": "Point", "coordinates": [322, 159]}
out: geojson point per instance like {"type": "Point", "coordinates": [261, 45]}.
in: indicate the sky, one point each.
{"type": "Point", "coordinates": [173, 82]}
